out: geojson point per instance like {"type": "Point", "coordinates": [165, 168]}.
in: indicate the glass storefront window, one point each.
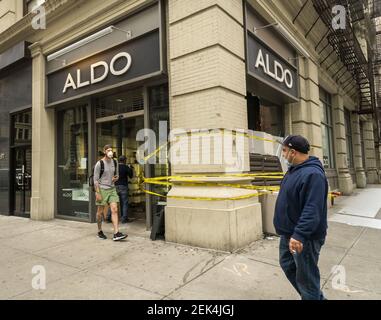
{"type": "Point", "coordinates": [15, 93]}
{"type": "Point", "coordinates": [22, 128]}
{"type": "Point", "coordinates": [120, 103]}
{"type": "Point", "coordinates": [265, 116]}
{"type": "Point", "coordinates": [159, 112]}
{"type": "Point", "coordinates": [119, 118]}
{"type": "Point", "coordinates": [72, 157]}
{"type": "Point", "coordinates": [327, 130]}
{"type": "Point", "coordinates": [21, 155]}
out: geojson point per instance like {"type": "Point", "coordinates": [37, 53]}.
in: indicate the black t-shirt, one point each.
{"type": "Point", "coordinates": [125, 172]}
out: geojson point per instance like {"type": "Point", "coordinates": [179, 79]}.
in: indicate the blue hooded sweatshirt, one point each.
{"type": "Point", "coordinates": [301, 206]}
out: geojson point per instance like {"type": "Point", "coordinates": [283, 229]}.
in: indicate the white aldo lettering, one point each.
{"type": "Point", "coordinates": [78, 83]}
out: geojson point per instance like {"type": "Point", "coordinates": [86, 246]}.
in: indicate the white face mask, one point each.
{"type": "Point", "coordinates": [288, 163]}
{"type": "Point", "coordinates": [110, 154]}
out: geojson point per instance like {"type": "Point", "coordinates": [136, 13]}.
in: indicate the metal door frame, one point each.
{"type": "Point", "coordinates": [12, 165]}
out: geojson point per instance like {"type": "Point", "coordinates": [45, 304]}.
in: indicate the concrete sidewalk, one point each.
{"type": "Point", "coordinates": [80, 266]}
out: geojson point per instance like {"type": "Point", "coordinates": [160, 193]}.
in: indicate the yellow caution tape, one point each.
{"type": "Point", "coordinates": [156, 151]}
{"type": "Point", "coordinates": [263, 189]}
{"type": "Point", "coordinates": [215, 198]}
{"type": "Point", "coordinates": [232, 132]}
{"type": "Point", "coordinates": [192, 183]}
{"type": "Point", "coordinates": [270, 175]}
{"type": "Point", "coordinates": [207, 198]}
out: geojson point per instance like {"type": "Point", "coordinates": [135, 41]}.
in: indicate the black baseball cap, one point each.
{"type": "Point", "coordinates": [297, 143]}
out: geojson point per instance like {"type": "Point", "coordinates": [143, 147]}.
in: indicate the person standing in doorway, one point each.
{"type": "Point", "coordinates": [301, 217]}
{"type": "Point", "coordinates": [105, 176]}
{"type": "Point", "coordinates": [125, 172]}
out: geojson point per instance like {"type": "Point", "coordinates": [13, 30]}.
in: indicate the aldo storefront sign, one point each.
{"type": "Point", "coordinates": [131, 61]}
{"type": "Point", "coordinates": [99, 72]}
{"type": "Point", "coordinates": [266, 65]}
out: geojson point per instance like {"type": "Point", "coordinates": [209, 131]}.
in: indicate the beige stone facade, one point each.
{"type": "Point", "coordinates": [208, 85]}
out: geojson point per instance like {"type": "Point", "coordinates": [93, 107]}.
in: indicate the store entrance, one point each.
{"type": "Point", "coordinates": [22, 180]}
{"type": "Point", "coordinates": [21, 163]}
{"type": "Point", "coordinates": [121, 134]}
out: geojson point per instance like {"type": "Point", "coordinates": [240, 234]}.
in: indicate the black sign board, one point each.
{"type": "Point", "coordinates": [266, 65]}
{"type": "Point", "coordinates": [123, 64]}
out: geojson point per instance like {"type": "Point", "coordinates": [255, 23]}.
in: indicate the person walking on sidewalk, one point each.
{"type": "Point", "coordinates": [125, 172]}
{"type": "Point", "coordinates": [300, 217]}
{"type": "Point", "coordinates": [105, 176]}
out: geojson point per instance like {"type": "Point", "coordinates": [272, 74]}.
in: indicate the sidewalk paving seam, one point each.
{"type": "Point", "coordinates": [264, 262]}
{"type": "Point", "coordinates": [352, 215]}
{"type": "Point", "coordinates": [345, 254]}
{"type": "Point", "coordinates": [125, 283]}
{"type": "Point", "coordinates": [62, 243]}
{"type": "Point", "coordinates": [24, 233]}
{"type": "Point", "coordinates": [360, 288]}
{"type": "Point", "coordinates": [55, 261]}
{"type": "Point", "coordinates": [52, 247]}
{"type": "Point", "coordinates": [83, 271]}
{"type": "Point", "coordinates": [52, 282]}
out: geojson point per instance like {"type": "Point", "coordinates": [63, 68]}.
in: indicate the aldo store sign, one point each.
{"type": "Point", "coordinates": [128, 62]}
{"type": "Point", "coordinates": [266, 65]}
{"type": "Point", "coordinates": [104, 69]}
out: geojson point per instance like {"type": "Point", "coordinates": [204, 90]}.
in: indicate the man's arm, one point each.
{"type": "Point", "coordinates": [309, 220]}
{"type": "Point", "coordinates": [97, 171]}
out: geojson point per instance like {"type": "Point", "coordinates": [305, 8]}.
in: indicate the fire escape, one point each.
{"type": "Point", "coordinates": [376, 17]}
{"type": "Point", "coordinates": [363, 70]}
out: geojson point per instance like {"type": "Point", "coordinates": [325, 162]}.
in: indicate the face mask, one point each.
{"type": "Point", "coordinates": [288, 163]}
{"type": "Point", "coordinates": [110, 154]}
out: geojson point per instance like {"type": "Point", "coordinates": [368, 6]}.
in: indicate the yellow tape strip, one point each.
{"type": "Point", "coordinates": [204, 134]}
{"type": "Point", "coordinates": [156, 151]}
{"type": "Point", "coordinates": [215, 199]}
{"type": "Point", "coordinates": [207, 198]}
{"type": "Point", "coordinates": [191, 183]}
{"type": "Point", "coordinates": [269, 175]}
{"type": "Point", "coordinates": [248, 187]}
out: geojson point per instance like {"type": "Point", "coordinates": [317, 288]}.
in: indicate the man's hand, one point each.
{"type": "Point", "coordinates": [98, 197]}
{"type": "Point", "coordinates": [295, 246]}
{"type": "Point", "coordinates": [115, 178]}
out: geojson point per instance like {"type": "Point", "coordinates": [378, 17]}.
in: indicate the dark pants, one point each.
{"type": "Point", "coordinates": [302, 269]}
{"type": "Point", "coordinates": [123, 200]}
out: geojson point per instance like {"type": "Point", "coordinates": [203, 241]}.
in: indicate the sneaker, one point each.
{"type": "Point", "coordinates": [101, 235]}
{"type": "Point", "coordinates": [128, 220]}
{"type": "Point", "coordinates": [119, 236]}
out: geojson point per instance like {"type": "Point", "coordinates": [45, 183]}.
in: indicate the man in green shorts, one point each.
{"type": "Point", "coordinates": [105, 175]}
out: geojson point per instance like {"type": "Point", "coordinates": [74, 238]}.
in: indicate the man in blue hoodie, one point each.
{"type": "Point", "coordinates": [301, 217]}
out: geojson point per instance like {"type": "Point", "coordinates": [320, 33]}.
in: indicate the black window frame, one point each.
{"type": "Point", "coordinates": [326, 103]}
{"type": "Point", "coordinates": [348, 138]}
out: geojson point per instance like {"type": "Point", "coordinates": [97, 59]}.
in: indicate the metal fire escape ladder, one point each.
{"type": "Point", "coordinates": [365, 72]}
{"type": "Point", "coordinates": [347, 47]}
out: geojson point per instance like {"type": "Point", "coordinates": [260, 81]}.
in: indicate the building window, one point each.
{"type": "Point", "coordinates": [327, 130]}
{"type": "Point", "coordinates": [348, 136]}
{"type": "Point", "coordinates": [31, 5]}
{"type": "Point", "coordinates": [72, 166]}
{"type": "Point", "coordinates": [265, 116]}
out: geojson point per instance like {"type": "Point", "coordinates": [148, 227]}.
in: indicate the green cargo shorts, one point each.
{"type": "Point", "coordinates": [108, 196]}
